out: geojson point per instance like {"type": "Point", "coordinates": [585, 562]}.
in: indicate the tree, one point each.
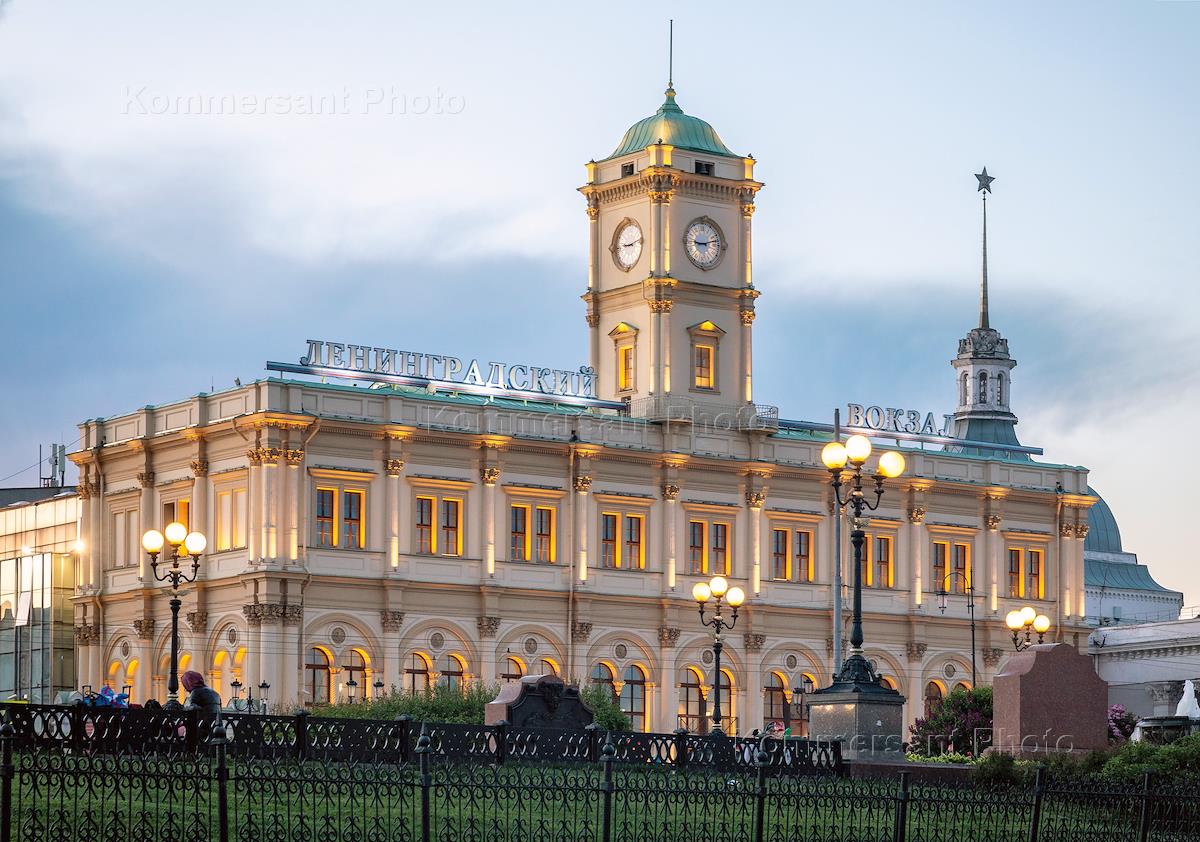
{"type": "Point", "coordinates": [961, 723]}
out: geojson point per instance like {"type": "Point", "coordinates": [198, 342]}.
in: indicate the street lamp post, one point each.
{"type": "Point", "coordinates": [263, 687]}
{"type": "Point", "coordinates": [969, 590]}
{"type": "Point", "coordinates": [351, 686]}
{"type": "Point", "coordinates": [857, 669]}
{"type": "Point", "coordinates": [716, 590]}
{"type": "Point", "coordinates": [1027, 620]}
{"type": "Point", "coordinates": [193, 545]}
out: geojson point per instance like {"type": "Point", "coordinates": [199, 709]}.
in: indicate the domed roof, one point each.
{"type": "Point", "coordinates": [1103, 535]}
{"type": "Point", "coordinates": [670, 125]}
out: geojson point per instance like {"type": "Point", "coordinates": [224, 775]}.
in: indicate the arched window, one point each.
{"type": "Point", "coordinates": [983, 387]}
{"type": "Point", "coordinates": [727, 713]}
{"type": "Point", "coordinates": [963, 389]}
{"type": "Point", "coordinates": [514, 670]}
{"type": "Point", "coordinates": [962, 685]}
{"type": "Point", "coordinates": [355, 669]}
{"type": "Point", "coordinates": [316, 667]}
{"type": "Point", "coordinates": [1000, 389]}
{"type": "Point", "coordinates": [774, 699]}
{"type": "Point", "coordinates": [547, 667]}
{"type": "Point", "coordinates": [633, 697]}
{"type": "Point", "coordinates": [693, 708]}
{"type": "Point", "coordinates": [933, 698]}
{"type": "Point", "coordinates": [602, 675]}
{"type": "Point", "coordinates": [417, 673]}
{"type": "Point", "coordinates": [887, 682]}
{"type": "Point", "coordinates": [452, 670]}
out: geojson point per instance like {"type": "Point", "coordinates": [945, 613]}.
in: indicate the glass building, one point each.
{"type": "Point", "coordinates": [37, 654]}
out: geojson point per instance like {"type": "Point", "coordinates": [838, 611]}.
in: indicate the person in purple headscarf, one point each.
{"type": "Point", "coordinates": [200, 696]}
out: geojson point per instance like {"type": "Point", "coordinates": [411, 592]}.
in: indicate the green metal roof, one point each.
{"type": "Point", "coordinates": [993, 430]}
{"type": "Point", "coordinates": [1116, 575]}
{"type": "Point", "coordinates": [1103, 534]}
{"type": "Point", "coordinates": [670, 125]}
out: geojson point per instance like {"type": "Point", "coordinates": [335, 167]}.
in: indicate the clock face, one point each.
{"type": "Point", "coordinates": [703, 242]}
{"type": "Point", "coordinates": [627, 246]}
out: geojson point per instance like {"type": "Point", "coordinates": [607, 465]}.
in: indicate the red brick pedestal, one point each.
{"type": "Point", "coordinates": [1048, 698]}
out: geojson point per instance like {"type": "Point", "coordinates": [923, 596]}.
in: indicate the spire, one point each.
{"type": "Point", "coordinates": [671, 56]}
{"type": "Point", "coordinates": [985, 187]}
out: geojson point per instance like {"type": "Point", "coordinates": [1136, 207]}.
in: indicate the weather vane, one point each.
{"type": "Point", "coordinates": [985, 182]}
{"type": "Point", "coordinates": [985, 186]}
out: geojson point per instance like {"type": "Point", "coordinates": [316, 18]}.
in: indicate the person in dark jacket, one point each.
{"type": "Point", "coordinates": [200, 696]}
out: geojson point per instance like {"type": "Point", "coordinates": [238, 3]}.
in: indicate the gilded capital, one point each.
{"type": "Point", "coordinates": [755, 499]}
{"type": "Point", "coordinates": [747, 317]}
{"type": "Point", "coordinates": [917, 514]}
{"type": "Point", "coordinates": [662, 305]}
{"type": "Point", "coordinates": [747, 209]}
{"type": "Point", "coordinates": [293, 455]}
{"type": "Point", "coordinates": [199, 467]}
{"type": "Point", "coordinates": [993, 522]}
{"type": "Point", "coordinates": [146, 479]}
{"type": "Point", "coordinates": [393, 467]}
{"type": "Point", "coordinates": [490, 474]}
{"type": "Point", "coordinates": [670, 491]}
{"type": "Point", "coordinates": [1081, 530]}
{"type": "Point", "coordinates": [583, 484]}
{"type": "Point", "coordinates": [593, 319]}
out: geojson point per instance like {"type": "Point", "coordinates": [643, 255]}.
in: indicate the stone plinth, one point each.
{"type": "Point", "coordinates": [543, 701]}
{"type": "Point", "coordinates": [1049, 698]}
{"type": "Point", "coordinates": [868, 725]}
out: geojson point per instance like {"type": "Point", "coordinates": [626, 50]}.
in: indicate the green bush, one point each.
{"type": "Point", "coordinates": [999, 769]}
{"type": "Point", "coordinates": [1180, 759]}
{"type": "Point", "coordinates": [961, 724]}
{"type": "Point", "coordinates": [466, 706]}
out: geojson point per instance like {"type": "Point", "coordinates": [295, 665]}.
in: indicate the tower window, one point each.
{"type": "Point", "coordinates": [1000, 389]}
{"type": "Point", "coordinates": [983, 387]}
{"type": "Point", "coordinates": [704, 168]}
{"type": "Point", "coordinates": [625, 368]}
{"type": "Point", "coordinates": [704, 367]}
{"type": "Point", "coordinates": [962, 399]}
{"type": "Point", "coordinates": [626, 169]}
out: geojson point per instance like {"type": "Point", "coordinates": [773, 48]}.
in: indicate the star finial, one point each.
{"type": "Point", "coordinates": [985, 181]}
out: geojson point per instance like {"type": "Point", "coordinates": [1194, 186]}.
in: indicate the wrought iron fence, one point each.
{"type": "Point", "coordinates": [62, 790]}
{"type": "Point", "coordinates": [306, 737]}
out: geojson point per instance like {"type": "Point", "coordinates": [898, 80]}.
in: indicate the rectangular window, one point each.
{"type": "Point", "coordinates": [1014, 573]}
{"type": "Point", "coordinates": [634, 558]}
{"type": "Point", "coordinates": [544, 534]}
{"type": "Point", "coordinates": [127, 542]}
{"type": "Point", "coordinates": [882, 557]}
{"type": "Point", "coordinates": [779, 555]}
{"type": "Point", "coordinates": [326, 525]}
{"type": "Point", "coordinates": [423, 523]}
{"type": "Point", "coordinates": [941, 554]}
{"type": "Point", "coordinates": [451, 527]}
{"type": "Point", "coordinates": [352, 520]}
{"type": "Point", "coordinates": [804, 557]}
{"type": "Point", "coordinates": [519, 543]}
{"type": "Point", "coordinates": [626, 170]}
{"type": "Point", "coordinates": [231, 519]}
{"type": "Point", "coordinates": [696, 563]}
{"type": "Point", "coordinates": [704, 168]}
{"type": "Point", "coordinates": [179, 510]}
{"type": "Point", "coordinates": [962, 568]}
{"type": "Point", "coordinates": [704, 367]}
{"type": "Point", "coordinates": [720, 549]}
{"type": "Point", "coordinates": [1035, 586]}
{"type": "Point", "coordinates": [625, 368]}
{"type": "Point", "coordinates": [608, 541]}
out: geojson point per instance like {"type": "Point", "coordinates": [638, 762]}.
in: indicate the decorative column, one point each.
{"type": "Point", "coordinates": [148, 520]}
{"type": "Point", "coordinates": [254, 541]}
{"type": "Point", "coordinates": [659, 308]}
{"type": "Point", "coordinates": [89, 574]}
{"type": "Point", "coordinates": [487, 627]}
{"type": "Point", "coordinates": [917, 545]}
{"type": "Point", "coordinates": [581, 631]}
{"type": "Point", "coordinates": [144, 628]}
{"type": "Point", "coordinates": [489, 475]}
{"type": "Point", "coordinates": [294, 506]}
{"type": "Point", "coordinates": [199, 511]}
{"type": "Point", "coordinates": [670, 496]}
{"type": "Point", "coordinates": [992, 541]}
{"type": "Point", "coordinates": [754, 500]}
{"type": "Point", "coordinates": [1081, 533]}
{"type": "Point", "coordinates": [1066, 556]}
{"type": "Point", "coordinates": [583, 487]}
{"type": "Point", "coordinates": [915, 697]}
{"type": "Point", "coordinates": [1165, 695]}
{"type": "Point", "coordinates": [393, 467]}
{"type": "Point", "coordinates": [391, 621]}
{"type": "Point", "coordinates": [753, 683]}
{"type": "Point", "coordinates": [270, 486]}
{"type": "Point", "coordinates": [668, 698]}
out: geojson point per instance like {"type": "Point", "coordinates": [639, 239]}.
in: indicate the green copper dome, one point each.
{"type": "Point", "coordinates": [670, 125]}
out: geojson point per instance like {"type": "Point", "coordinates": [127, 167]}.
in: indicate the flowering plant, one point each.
{"type": "Point", "coordinates": [1120, 724]}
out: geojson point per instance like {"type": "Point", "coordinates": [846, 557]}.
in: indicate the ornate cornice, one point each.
{"type": "Point", "coordinates": [391, 620]}
{"type": "Point", "coordinates": [488, 626]}
{"type": "Point", "coordinates": [144, 628]}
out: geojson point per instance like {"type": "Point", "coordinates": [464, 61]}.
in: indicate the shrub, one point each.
{"type": "Point", "coordinates": [1180, 759]}
{"type": "Point", "coordinates": [466, 706]}
{"type": "Point", "coordinates": [962, 723]}
{"type": "Point", "coordinates": [998, 769]}
{"type": "Point", "coordinates": [1120, 724]}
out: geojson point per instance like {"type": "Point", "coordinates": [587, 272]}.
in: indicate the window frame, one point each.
{"type": "Point", "coordinates": [451, 534]}
{"type": "Point", "coordinates": [524, 540]}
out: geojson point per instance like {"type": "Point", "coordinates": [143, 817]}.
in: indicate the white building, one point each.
{"type": "Point", "coordinates": [1147, 664]}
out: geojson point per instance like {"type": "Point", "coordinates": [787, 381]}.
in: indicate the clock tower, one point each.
{"type": "Point", "coordinates": [670, 297]}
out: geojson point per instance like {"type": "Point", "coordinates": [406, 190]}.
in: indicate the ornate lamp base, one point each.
{"type": "Point", "coordinates": [857, 710]}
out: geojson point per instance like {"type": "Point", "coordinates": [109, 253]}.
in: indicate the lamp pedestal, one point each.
{"type": "Point", "coordinates": [859, 712]}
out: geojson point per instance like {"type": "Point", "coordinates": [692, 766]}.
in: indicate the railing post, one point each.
{"type": "Point", "coordinates": [607, 756]}
{"type": "Point", "coordinates": [216, 740]}
{"type": "Point", "coordinates": [901, 829]}
{"type": "Point", "coordinates": [403, 722]}
{"type": "Point", "coordinates": [1147, 809]}
{"type": "Point", "coordinates": [301, 726]}
{"type": "Point", "coordinates": [500, 729]}
{"type": "Point", "coordinates": [426, 780]}
{"type": "Point", "coordinates": [191, 729]}
{"type": "Point", "coordinates": [1039, 783]}
{"type": "Point", "coordinates": [593, 742]}
{"type": "Point", "coordinates": [681, 758]}
{"type": "Point", "coordinates": [761, 759]}
{"type": "Point", "coordinates": [7, 772]}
